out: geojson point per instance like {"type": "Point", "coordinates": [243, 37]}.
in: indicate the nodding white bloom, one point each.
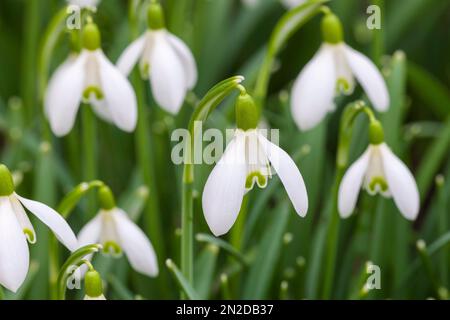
{"type": "Point", "coordinates": [379, 170]}
{"type": "Point", "coordinates": [113, 229]}
{"type": "Point", "coordinates": [331, 71]}
{"type": "Point", "coordinates": [91, 78]}
{"type": "Point", "coordinates": [164, 59]}
{"type": "Point", "coordinates": [247, 160]}
{"type": "Point", "coordinates": [84, 3]}
{"type": "Point", "coordinates": [287, 3]}
{"type": "Point", "coordinates": [16, 229]}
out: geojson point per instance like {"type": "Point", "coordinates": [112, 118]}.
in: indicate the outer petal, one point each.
{"type": "Point", "coordinates": [130, 56]}
{"type": "Point", "coordinates": [53, 220]}
{"type": "Point", "coordinates": [292, 3]}
{"type": "Point", "coordinates": [136, 245]}
{"type": "Point", "coordinates": [187, 59]}
{"type": "Point", "coordinates": [313, 91]}
{"type": "Point", "coordinates": [351, 184]}
{"type": "Point", "coordinates": [289, 175]}
{"type": "Point", "coordinates": [225, 188]}
{"type": "Point", "coordinates": [119, 94]}
{"type": "Point", "coordinates": [370, 78]}
{"type": "Point", "coordinates": [24, 222]}
{"type": "Point", "coordinates": [167, 76]}
{"type": "Point", "coordinates": [101, 109]}
{"type": "Point", "coordinates": [14, 255]}
{"type": "Point", "coordinates": [90, 233]}
{"type": "Point", "coordinates": [64, 94]}
{"type": "Point", "coordinates": [401, 183]}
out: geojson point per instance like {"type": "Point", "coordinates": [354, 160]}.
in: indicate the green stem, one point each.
{"type": "Point", "coordinates": [378, 35]}
{"type": "Point", "coordinates": [89, 152]}
{"type": "Point", "coordinates": [187, 232]}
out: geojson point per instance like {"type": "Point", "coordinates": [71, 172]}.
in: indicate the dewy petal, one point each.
{"type": "Point", "coordinates": [187, 59]}
{"type": "Point", "coordinates": [401, 183]}
{"type": "Point", "coordinates": [225, 188]}
{"type": "Point", "coordinates": [369, 77]}
{"type": "Point", "coordinates": [14, 255]}
{"type": "Point", "coordinates": [313, 91]}
{"type": "Point", "coordinates": [135, 244]}
{"type": "Point", "coordinates": [351, 184]}
{"type": "Point", "coordinates": [119, 94]}
{"type": "Point", "coordinates": [23, 219]}
{"type": "Point", "coordinates": [130, 56]}
{"type": "Point", "coordinates": [90, 233]}
{"type": "Point", "coordinates": [167, 75]}
{"type": "Point", "coordinates": [289, 175]}
{"type": "Point", "coordinates": [53, 220]}
{"type": "Point", "coordinates": [64, 94]}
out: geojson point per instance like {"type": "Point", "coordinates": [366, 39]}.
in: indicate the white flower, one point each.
{"type": "Point", "coordinates": [378, 170]}
{"type": "Point", "coordinates": [100, 297]}
{"type": "Point", "coordinates": [84, 3]}
{"type": "Point", "coordinates": [116, 232]}
{"type": "Point", "coordinates": [92, 78]}
{"type": "Point", "coordinates": [331, 70]}
{"type": "Point", "coordinates": [287, 3]}
{"type": "Point", "coordinates": [167, 62]}
{"type": "Point", "coordinates": [16, 229]}
{"type": "Point", "coordinates": [247, 161]}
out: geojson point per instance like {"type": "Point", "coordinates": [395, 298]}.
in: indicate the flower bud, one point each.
{"type": "Point", "coordinates": [332, 31]}
{"type": "Point", "coordinates": [6, 181]}
{"type": "Point", "coordinates": [93, 286]}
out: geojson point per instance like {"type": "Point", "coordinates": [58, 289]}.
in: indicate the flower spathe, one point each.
{"type": "Point", "coordinates": [379, 170]}
{"type": "Point", "coordinates": [116, 232]}
{"type": "Point", "coordinates": [247, 160]}
{"type": "Point", "coordinates": [16, 229]}
{"type": "Point", "coordinates": [91, 78]}
{"type": "Point", "coordinates": [167, 62]}
{"type": "Point", "coordinates": [331, 71]}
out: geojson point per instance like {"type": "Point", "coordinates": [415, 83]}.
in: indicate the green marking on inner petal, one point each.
{"type": "Point", "coordinates": [343, 85]}
{"type": "Point", "coordinates": [145, 70]}
{"type": "Point", "coordinates": [257, 177]}
{"type": "Point", "coordinates": [112, 248]}
{"type": "Point", "coordinates": [30, 235]}
{"type": "Point", "coordinates": [92, 90]}
{"type": "Point", "coordinates": [378, 181]}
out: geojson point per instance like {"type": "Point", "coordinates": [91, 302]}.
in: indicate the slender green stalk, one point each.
{"type": "Point", "coordinates": [187, 231]}
{"type": "Point", "coordinates": [89, 139]}
{"type": "Point", "coordinates": [378, 35]}
{"type": "Point", "coordinates": [443, 227]}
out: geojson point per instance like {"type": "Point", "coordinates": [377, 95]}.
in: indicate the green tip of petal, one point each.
{"type": "Point", "coordinates": [112, 248]}
{"type": "Point", "coordinates": [106, 198]}
{"type": "Point", "coordinates": [380, 182]}
{"type": "Point", "coordinates": [91, 38]}
{"type": "Point", "coordinates": [6, 181]}
{"type": "Point", "coordinates": [332, 31]}
{"type": "Point", "coordinates": [155, 16]}
{"type": "Point", "coordinates": [93, 284]}
{"type": "Point", "coordinates": [258, 177]}
{"type": "Point", "coordinates": [30, 235]}
{"type": "Point", "coordinates": [246, 112]}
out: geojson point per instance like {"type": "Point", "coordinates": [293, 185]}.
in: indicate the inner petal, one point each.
{"type": "Point", "coordinates": [375, 180]}
{"type": "Point", "coordinates": [345, 82]}
{"type": "Point", "coordinates": [108, 235]}
{"type": "Point", "coordinates": [258, 167]}
{"type": "Point", "coordinates": [92, 80]}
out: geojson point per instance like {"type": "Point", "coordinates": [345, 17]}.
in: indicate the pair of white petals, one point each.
{"type": "Point", "coordinates": [115, 226]}
{"type": "Point", "coordinates": [167, 62]}
{"type": "Point", "coordinates": [89, 70]}
{"type": "Point", "coordinates": [378, 161]}
{"type": "Point", "coordinates": [226, 185]}
{"type": "Point", "coordinates": [316, 86]}
{"type": "Point", "coordinates": [16, 229]}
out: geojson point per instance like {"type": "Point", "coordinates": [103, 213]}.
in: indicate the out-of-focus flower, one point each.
{"type": "Point", "coordinates": [332, 71]}
{"type": "Point", "coordinates": [247, 160]}
{"type": "Point", "coordinates": [16, 229]}
{"type": "Point", "coordinates": [287, 3]}
{"type": "Point", "coordinates": [92, 78]}
{"type": "Point", "coordinates": [84, 3]}
{"type": "Point", "coordinates": [379, 170]}
{"type": "Point", "coordinates": [164, 59]}
{"type": "Point", "coordinates": [112, 228]}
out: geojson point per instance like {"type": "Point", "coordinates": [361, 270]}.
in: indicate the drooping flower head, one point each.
{"type": "Point", "coordinates": [93, 286]}
{"type": "Point", "coordinates": [379, 170]}
{"type": "Point", "coordinates": [91, 78]}
{"type": "Point", "coordinates": [113, 229]}
{"type": "Point", "coordinates": [16, 229]}
{"type": "Point", "coordinates": [331, 71]}
{"type": "Point", "coordinates": [249, 159]}
{"type": "Point", "coordinates": [164, 59]}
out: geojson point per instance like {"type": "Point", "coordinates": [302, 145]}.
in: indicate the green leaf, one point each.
{"type": "Point", "coordinates": [205, 266]}
{"type": "Point", "coordinates": [182, 281]}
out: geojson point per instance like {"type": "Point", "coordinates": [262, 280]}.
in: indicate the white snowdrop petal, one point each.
{"type": "Point", "coordinates": [131, 54]}
{"type": "Point", "coordinates": [14, 255]}
{"type": "Point", "coordinates": [369, 77]}
{"type": "Point", "coordinates": [23, 219]}
{"type": "Point", "coordinates": [118, 94]}
{"type": "Point", "coordinates": [135, 244]}
{"type": "Point", "coordinates": [314, 89]}
{"type": "Point", "coordinates": [351, 184]}
{"type": "Point", "coordinates": [225, 188]}
{"type": "Point", "coordinates": [401, 183]}
{"type": "Point", "coordinates": [187, 59]}
{"type": "Point", "coordinates": [90, 233]}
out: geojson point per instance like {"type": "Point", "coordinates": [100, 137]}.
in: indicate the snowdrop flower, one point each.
{"type": "Point", "coordinates": [164, 59]}
{"type": "Point", "coordinates": [16, 229]}
{"type": "Point", "coordinates": [287, 3]}
{"type": "Point", "coordinates": [93, 285]}
{"type": "Point", "coordinates": [379, 170]}
{"type": "Point", "coordinates": [90, 77]}
{"type": "Point", "coordinates": [332, 70]}
{"type": "Point", "coordinates": [91, 4]}
{"type": "Point", "coordinates": [247, 161]}
{"type": "Point", "coordinates": [112, 228]}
